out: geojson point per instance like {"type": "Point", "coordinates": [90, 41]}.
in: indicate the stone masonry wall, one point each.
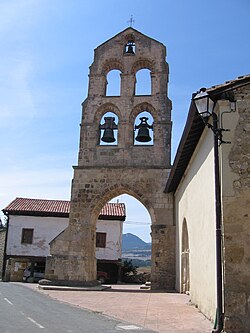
{"type": "Point", "coordinates": [236, 217]}
{"type": "Point", "coordinates": [2, 242]}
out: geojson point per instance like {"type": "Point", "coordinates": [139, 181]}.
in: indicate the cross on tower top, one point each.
{"type": "Point", "coordinates": [131, 21]}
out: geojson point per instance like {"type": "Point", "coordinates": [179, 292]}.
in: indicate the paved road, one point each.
{"type": "Point", "coordinates": [23, 310]}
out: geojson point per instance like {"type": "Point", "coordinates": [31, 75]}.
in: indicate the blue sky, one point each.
{"type": "Point", "coordinates": [46, 48]}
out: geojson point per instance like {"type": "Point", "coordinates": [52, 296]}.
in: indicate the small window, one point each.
{"type": "Point", "coordinates": [27, 236]}
{"type": "Point", "coordinates": [101, 239]}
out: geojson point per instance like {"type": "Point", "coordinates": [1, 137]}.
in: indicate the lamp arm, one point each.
{"type": "Point", "coordinates": [217, 131]}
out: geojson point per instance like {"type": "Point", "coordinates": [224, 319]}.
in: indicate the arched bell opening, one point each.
{"type": "Point", "coordinates": [143, 82]}
{"type": "Point", "coordinates": [143, 129]}
{"type": "Point", "coordinates": [123, 233]}
{"type": "Point", "coordinates": [185, 267]}
{"type": "Point", "coordinates": [108, 129]}
{"type": "Point", "coordinates": [113, 83]}
{"type": "Point", "coordinates": [129, 47]}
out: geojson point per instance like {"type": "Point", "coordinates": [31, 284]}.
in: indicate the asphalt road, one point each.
{"type": "Point", "coordinates": [23, 310]}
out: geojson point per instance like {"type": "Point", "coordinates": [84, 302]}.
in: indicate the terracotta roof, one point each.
{"type": "Point", "coordinates": [193, 130]}
{"type": "Point", "coordinates": [113, 210]}
{"type": "Point", "coordinates": [41, 207]}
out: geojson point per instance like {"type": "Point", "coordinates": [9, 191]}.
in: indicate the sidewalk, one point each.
{"type": "Point", "coordinates": [160, 311]}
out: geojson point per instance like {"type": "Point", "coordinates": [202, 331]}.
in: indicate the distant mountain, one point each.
{"type": "Point", "coordinates": [133, 242]}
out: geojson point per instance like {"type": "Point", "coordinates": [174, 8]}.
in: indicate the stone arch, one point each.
{"type": "Point", "coordinates": [111, 64]}
{"type": "Point", "coordinates": [107, 193]}
{"type": "Point", "coordinates": [185, 267]}
{"type": "Point", "coordinates": [107, 107]}
{"type": "Point", "coordinates": [140, 108]}
{"type": "Point", "coordinates": [143, 64]}
{"type": "Point", "coordinates": [136, 111]}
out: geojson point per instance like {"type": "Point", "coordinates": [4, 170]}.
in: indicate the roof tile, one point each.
{"type": "Point", "coordinates": [27, 205]}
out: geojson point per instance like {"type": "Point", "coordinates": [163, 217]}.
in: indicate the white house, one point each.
{"type": "Point", "coordinates": [34, 223]}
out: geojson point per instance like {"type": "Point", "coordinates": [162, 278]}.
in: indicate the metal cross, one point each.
{"type": "Point", "coordinates": [131, 21]}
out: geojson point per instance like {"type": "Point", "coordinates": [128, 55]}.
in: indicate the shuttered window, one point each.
{"type": "Point", "coordinates": [101, 239]}
{"type": "Point", "coordinates": [27, 236]}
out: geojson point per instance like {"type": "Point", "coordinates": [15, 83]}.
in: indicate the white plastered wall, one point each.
{"type": "Point", "coordinates": [113, 249]}
{"type": "Point", "coordinates": [47, 228]}
{"type": "Point", "coordinates": [195, 202]}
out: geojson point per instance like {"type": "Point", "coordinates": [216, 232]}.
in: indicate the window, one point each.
{"type": "Point", "coordinates": [101, 239]}
{"type": "Point", "coordinates": [27, 236]}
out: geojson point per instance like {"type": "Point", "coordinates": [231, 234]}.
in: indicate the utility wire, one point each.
{"type": "Point", "coordinates": [137, 222]}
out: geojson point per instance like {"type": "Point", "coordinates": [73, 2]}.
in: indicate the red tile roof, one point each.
{"type": "Point", "coordinates": [25, 206]}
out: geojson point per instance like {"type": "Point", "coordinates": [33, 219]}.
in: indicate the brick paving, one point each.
{"type": "Point", "coordinates": [159, 311]}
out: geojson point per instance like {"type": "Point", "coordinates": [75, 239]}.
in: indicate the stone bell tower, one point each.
{"type": "Point", "coordinates": [111, 162]}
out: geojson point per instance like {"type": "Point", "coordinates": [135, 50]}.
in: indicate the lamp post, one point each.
{"type": "Point", "coordinates": [205, 106]}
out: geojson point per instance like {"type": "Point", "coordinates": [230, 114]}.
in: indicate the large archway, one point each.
{"type": "Point", "coordinates": [123, 237]}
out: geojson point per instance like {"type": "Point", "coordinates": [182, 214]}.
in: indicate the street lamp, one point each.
{"type": "Point", "coordinates": [205, 106]}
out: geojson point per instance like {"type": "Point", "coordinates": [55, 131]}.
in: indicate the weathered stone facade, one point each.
{"type": "Point", "coordinates": [2, 243]}
{"type": "Point", "coordinates": [236, 215]}
{"type": "Point", "coordinates": [106, 171]}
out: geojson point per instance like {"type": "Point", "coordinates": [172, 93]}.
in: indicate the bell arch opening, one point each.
{"type": "Point", "coordinates": [108, 129]}
{"type": "Point", "coordinates": [143, 129]}
{"type": "Point", "coordinates": [129, 47]}
{"type": "Point", "coordinates": [123, 239]}
{"type": "Point", "coordinates": [143, 82]}
{"type": "Point", "coordinates": [113, 83]}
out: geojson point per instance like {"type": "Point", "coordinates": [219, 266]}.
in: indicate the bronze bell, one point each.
{"type": "Point", "coordinates": [130, 49]}
{"type": "Point", "coordinates": [108, 135]}
{"type": "Point", "coordinates": [143, 133]}
{"type": "Point", "coordinates": [109, 126]}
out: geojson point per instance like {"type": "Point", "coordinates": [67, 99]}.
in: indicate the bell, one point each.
{"type": "Point", "coordinates": [130, 49]}
{"type": "Point", "coordinates": [108, 135]}
{"type": "Point", "coordinates": [143, 135]}
{"type": "Point", "coordinates": [143, 132]}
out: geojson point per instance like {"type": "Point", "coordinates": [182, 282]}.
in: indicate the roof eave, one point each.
{"type": "Point", "coordinates": [193, 130]}
{"type": "Point", "coordinates": [190, 137]}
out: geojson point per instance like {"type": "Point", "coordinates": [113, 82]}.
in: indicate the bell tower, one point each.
{"type": "Point", "coordinates": [125, 143]}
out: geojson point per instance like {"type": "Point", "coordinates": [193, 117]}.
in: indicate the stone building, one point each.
{"type": "Point", "coordinates": [111, 162]}
{"type": "Point", "coordinates": [34, 223]}
{"type": "Point", "coordinates": [192, 182]}
{"type": "Point", "coordinates": [2, 243]}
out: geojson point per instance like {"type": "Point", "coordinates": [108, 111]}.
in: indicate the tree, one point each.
{"type": "Point", "coordinates": [128, 269]}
